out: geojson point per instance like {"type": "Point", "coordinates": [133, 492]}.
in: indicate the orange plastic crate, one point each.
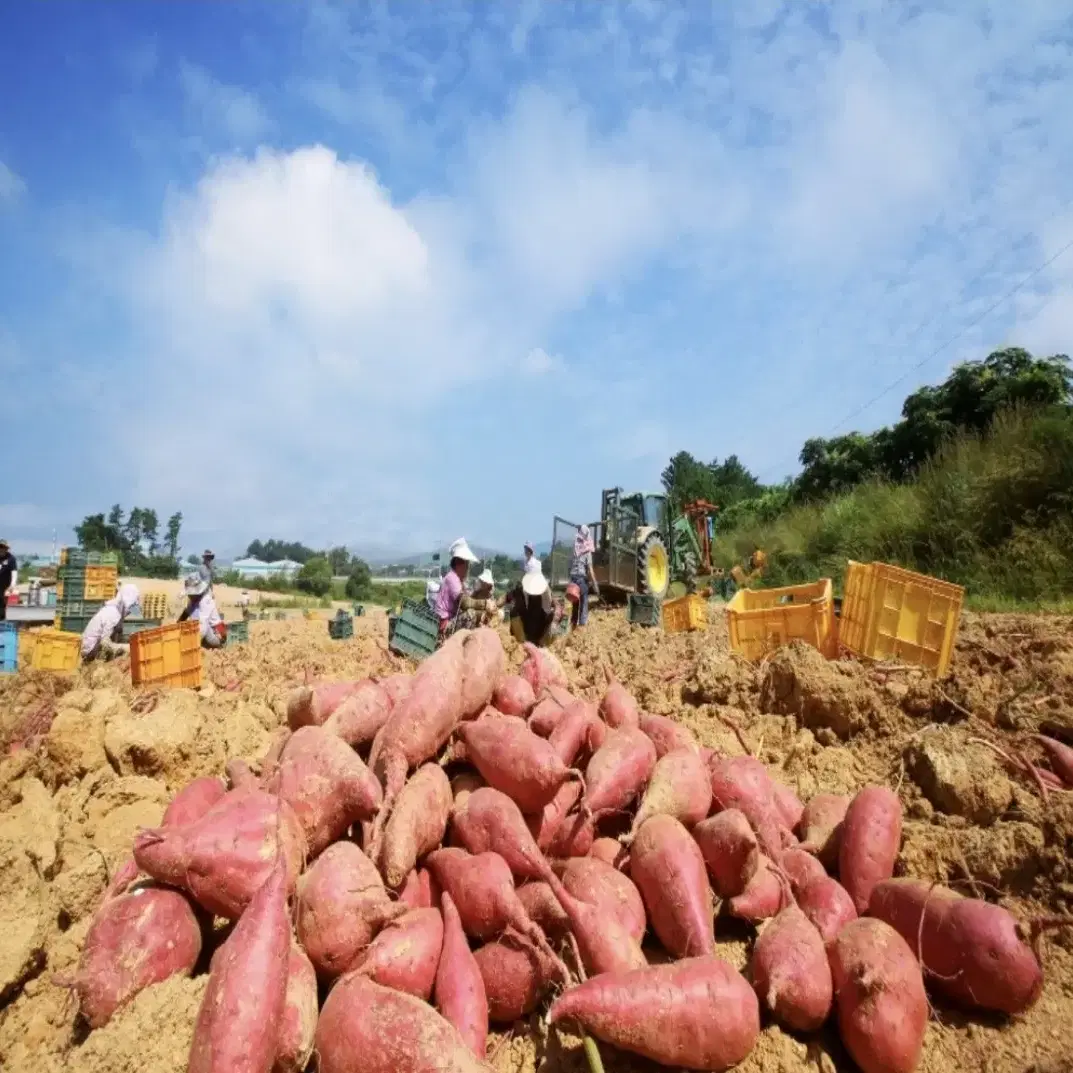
{"type": "Point", "coordinates": [167, 656]}
{"type": "Point", "coordinates": [685, 613]}
{"type": "Point", "coordinates": [761, 620]}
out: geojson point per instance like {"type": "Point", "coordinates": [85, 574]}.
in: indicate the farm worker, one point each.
{"type": "Point", "coordinates": [97, 640]}
{"type": "Point", "coordinates": [454, 608]}
{"type": "Point", "coordinates": [533, 609]}
{"type": "Point", "coordinates": [9, 577]}
{"type": "Point", "coordinates": [530, 564]}
{"type": "Point", "coordinates": [201, 607]}
{"type": "Point", "coordinates": [204, 571]}
{"type": "Point", "coordinates": [484, 586]}
{"type": "Point", "coordinates": [244, 603]}
{"type": "Point", "coordinates": [581, 573]}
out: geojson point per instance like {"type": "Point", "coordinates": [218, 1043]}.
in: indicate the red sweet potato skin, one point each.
{"type": "Point", "coordinates": [879, 995]}
{"type": "Point", "coordinates": [605, 887]}
{"type": "Point", "coordinates": [827, 905]}
{"type": "Point", "coordinates": [1061, 757]}
{"type": "Point", "coordinates": [542, 670]}
{"type": "Point", "coordinates": [417, 891]}
{"type": "Point", "coordinates": [225, 857]}
{"type": "Point", "coordinates": [871, 838]}
{"type": "Point", "coordinates": [680, 787]}
{"type": "Point", "coordinates": [312, 705]}
{"type": "Point", "coordinates": [366, 1028]}
{"type": "Point", "coordinates": [361, 714]}
{"type": "Point", "coordinates": [484, 664]}
{"type": "Point", "coordinates": [341, 905]}
{"type": "Point", "coordinates": [694, 1014]}
{"type": "Point", "coordinates": [729, 848]}
{"type": "Point", "coordinates": [788, 805]}
{"type": "Point", "coordinates": [327, 785]}
{"type": "Point", "coordinates": [193, 801]}
{"type": "Point", "coordinates": [515, 977]}
{"type": "Point", "coordinates": [801, 868]}
{"type": "Point", "coordinates": [619, 771]}
{"type": "Point", "coordinates": [821, 826]}
{"type": "Point", "coordinates": [604, 942]}
{"type": "Point", "coordinates": [405, 954]}
{"type": "Point", "coordinates": [608, 850]}
{"type": "Point", "coordinates": [238, 1025]}
{"type": "Point", "coordinates": [971, 950]}
{"type": "Point", "coordinates": [136, 939]}
{"type": "Point", "coordinates": [459, 989]}
{"type": "Point", "coordinates": [417, 824]}
{"type": "Point", "coordinates": [398, 687]}
{"type": "Point", "coordinates": [544, 910]}
{"type": "Point", "coordinates": [560, 829]}
{"type": "Point", "coordinates": [514, 696]}
{"type": "Point", "coordinates": [764, 895]}
{"type": "Point", "coordinates": [667, 866]}
{"type": "Point", "coordinates": [744, 783]}
{"type": "Point", "coordinates": [618, 707]}
{"type": "Point", "coordinates": [489, 821]}
{"type": "Point", "coordinates": [667, 735]}
{"type": "Point", "coordinates": [299, 1022]}
{"type": "Point", "coordinates": [573, 733]}
{"type": "Point", "coordinates": [790, 971]}
{"type": "Point", "coordinates": [545, 716]}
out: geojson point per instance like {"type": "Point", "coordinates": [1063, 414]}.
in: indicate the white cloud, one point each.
{"type": "Point", "coordinates": [228, 111]}
{"type": "Point", "coordinates": [538, 362]}
{"type": "Point", "coordinates": [12, 187]}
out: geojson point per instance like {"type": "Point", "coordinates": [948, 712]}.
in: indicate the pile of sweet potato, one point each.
{"type": "Point", "coordinates": [435, 853]}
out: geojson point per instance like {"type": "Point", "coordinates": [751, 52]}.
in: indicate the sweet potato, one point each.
{"type": "Point", "coordinates": [801, 868]}
{"type": "Point", "coordinates": [546, 716]}
{"type": "Point", "coordinates": [299, 1024]}
{"type": "Point", "coordinates": [790, 971]}
{"type": "Point", "coordinates": [667, 735]}
{"type": "Point", "coordinates": [490, 821]}
{"type": "Point", "coordinates": [821, 827]}
{"type": "Point", "coordinates": [484, 665]}
{"type": "Point", "coordinates": [312, 705]}
{"type": "Point", "coordinates": [608, 850]}
{"type": "Point", "coordinates": [326, 784]}
{"type": "Point", "coordinates": [459, 989]}
{"type": "Point", "coordinates": [417, 892]}
{"type": "Point", "coordinates": [516, 761]}
{"type": "Point", "coordinates": [764, 895]}
{"type": "Point", "coordinates": [618, 708]}
{"type": "Point", "coordinates": [667, 866]}
{"type": "Point", "coordinates": [694, 1014]}
{"type": "Point", "coordinates": [417, 824]}
{"type": "Point", "coordinates": [226, 856]}
{"type": "Point", "coordinates": [1061, 757]}
{"type": "Point", "coordinates": [136, 939]}
{"type": "Point", "coordinates": [239, 774]}
{"type": "Point", "coordinates": [516, 977]}
{"type": "Point", "coordinates": [744, 783]}
{"type": "Point", "coordinates": [238, 1025]}
{"type": "Point", "coordinates": [604, 942]}
{"type": "Point", "coordinates": [787, 804]}
{"type": "Point", "coordinates": [361, 715]}
{"type": "Point", "coordinates": [972, 951]}
{"type": "Point", "coordinates": [680, 787]}
{"type": "Point", "coordinates": [397, 686]}
{"type": "Point", "coordinates": [544, 910]}
{"type": "Point", "coordinates": [607, 888]}
{"type": "Point", "coordinates": [619, 771]}
{"type": "Point", "coordinates": [580, 730]}
{"type": "Point", "coordinates": [341, 905]}
{"type": "Point", "coordinates": [482, 889]}
{"type": "Point", "coordinates": [879, 995]}
{"type": "Point", "coordinates": [871, 838]}
{"type": "Point", "coordinates": [559, 830]}
{"type": "Point", "coordinates": [366, 1028]}
{"type": "Point", "coordinates": [541, 669]}
{"type": "Point", "coordinates": [405, 953]}
{"type": "Point", "coordinates": [514, 696]}
{"type": "Point", "coordinates": [827, 905]}
{"type": "Point", "coordinates": [728, 845]}
{"type": "Point", "coordinates": [463, 784]}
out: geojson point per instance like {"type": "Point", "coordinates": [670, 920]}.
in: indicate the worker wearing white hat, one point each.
{"type": "Point", "coordinates": [452, 600]}
{"type": "Point", "coordinates": [530, 563]}
{"type": "Point", "coordinates": [201, 607]}
{"type": "Point", "coordinates": [533, 609]}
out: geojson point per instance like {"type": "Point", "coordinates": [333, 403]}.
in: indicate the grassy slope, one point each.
{"type": "Point", "coordinates": [992, 514]}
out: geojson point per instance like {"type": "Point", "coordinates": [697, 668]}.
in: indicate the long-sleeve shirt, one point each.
{"type": "Point", "coordinates": [207, 614]}
{"type": "Point", "coordinates": [449, 596]}
{"type": "Point", "coordinates": [100, 628]}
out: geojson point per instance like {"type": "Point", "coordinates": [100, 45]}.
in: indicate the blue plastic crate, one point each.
{"type": "Point", "coordinates": [9, 648]}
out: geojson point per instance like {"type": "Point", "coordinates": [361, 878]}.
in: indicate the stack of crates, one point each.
{"type": "Point", "coordinates": [155, 605]}
{"type": "Point", "coordinates": [341, 628]}
{"type": "Point", "coordinates": [86, 580]}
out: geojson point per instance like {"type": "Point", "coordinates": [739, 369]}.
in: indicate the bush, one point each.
{"type": "Point", "coordinates": [315, 576]}
{"type": "Point", "coordinates": [359, 583]}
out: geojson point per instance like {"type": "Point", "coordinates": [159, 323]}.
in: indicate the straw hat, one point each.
{"type": "Point", "coordinates": [534, 584]}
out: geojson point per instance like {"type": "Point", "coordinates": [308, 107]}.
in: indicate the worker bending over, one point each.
{"type": "Point", "coordinates": [97, 640]}
{"type": "Point", "coordinates": [454, 609]}
{"type": "Point", "coordinates": [201, 608]}
{"type": "Point", "coordinates": [533, 610]}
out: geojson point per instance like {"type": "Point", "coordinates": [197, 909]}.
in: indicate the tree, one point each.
{"type": "Point", "coordinates": [136, 539]}
{"type": "Point", "coordinates": [359, 583]}
{"type": "Point", "coordinates": [171, 537]}
{"type": "Point", "coordinates": [193, 560]}
{"type": "Point", "coordinates": [315, 576]}
{"type": "Point", "coordinates": [340, 560]}
{"type": "Point", "coordinates": [273, 550]}
{"type": "Point", "coordinates": [151, 531]}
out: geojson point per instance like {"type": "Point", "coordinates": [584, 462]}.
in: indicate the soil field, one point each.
{"type": "Point", "coordinates": [87, 760]}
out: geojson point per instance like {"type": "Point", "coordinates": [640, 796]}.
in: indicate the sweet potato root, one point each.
{"type": "Point", "coordinates": [744, 783]}
{"type": "Point", "coordinates": [360, 716]}
{"type": "Point", "coordinates": [489, 821]}
{"type": "Point", "coordinates": [618, 707]}
{"type": "Point", "coordinates": [605, 944]}
{"type": "Point", "coordinates": [560, 830]}
{"type": "Point", "coordinates": [827, 905]}
{"type": "Point", "coordinates": [484, 664]}
{"type": "Point", "coordinates": [417, 824]}
{"type": "Point", "coordinates": [406, 953]}
{"type": "Point", "coordinates": [541, 669]}
{"type": "Point", "coordinates": [667, 735]}
{"type": "Point", "coordinates": [312, 705]}
{"type": "Point", "coordinates": [514, 696]}
{"type": "Point", "coordinates": [579, 731]}
{"type": "Point", "coordinates": [764, 895]}
{"type": "Point", "coordinates": [790, 971]}
{"type": "Point", "coordinates": [546, 716]}
{"type": "Point", "coordinates": [801, 868]}
{"type": "Point", "coordinates": [516, 976]}
{"type": "Point", "coordinates": [680, 787]}
{"type": "Point", "coordinates": [729, 848]}
{"type": "Point", "coordinates": [299, 1024]}
{"type": "Point", "coordinates": [544, 910]}
{"type": "Point", "coordinates": [871, 838]}
{"type": "Point", "coordinates": [821, 827]}
{"type": "Point", "coordinates": [605, 887]}
{"type": "Point", "coordinates": [459, 989]}
{"type": "Point", "coordinates": [619, 771]}
{"type": "Point", "coordinates": [417, 892]}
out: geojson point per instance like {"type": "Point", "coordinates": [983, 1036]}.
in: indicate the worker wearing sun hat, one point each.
{"type": "Point", "coordinates": [532, 609]}
{"type": "Point", "coordinates": [451, 600]}
{"type": "Point", "coordinates": [201, 607]}
{"type": "Point", "coordinates": [530, 563]}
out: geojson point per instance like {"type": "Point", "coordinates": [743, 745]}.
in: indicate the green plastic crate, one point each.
{"type": "Point", "coordinates": [78, 623]}
{"type": "Point", "coordinates": [131, 626]}
{"type": "Point", "coordinates": [79, 608]}
{"type": "Point", "coordinates": [643, 610]}
{"type": "Point", "coordinates": [416, 631]}
{"type": "Point", "coordinates": [237, 632]}
{"type": "Point", "coordinates": [341, 628]}
{"type": "Point", "coordinates": [78, 557]}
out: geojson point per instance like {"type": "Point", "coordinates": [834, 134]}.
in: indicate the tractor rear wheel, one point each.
{"type": "Point", "coordinates": [653, 567]}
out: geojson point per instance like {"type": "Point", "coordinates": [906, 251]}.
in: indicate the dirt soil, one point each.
{"type": "Point", "coordinates": [87, 760]}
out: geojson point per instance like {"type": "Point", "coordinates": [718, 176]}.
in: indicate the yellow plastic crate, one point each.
{"type": "Point", "coordinates": [154, 605]}
{"type": "Point", "coordinates": [893, 614]}
{"type": "Point", "coordinates": [685, 613]}
{"type": "Point", "coordinates": [96, 583]}
{"type": "Point", "coordinates": [761, 620]}
{"type": "Point", "coordinates": [56, 650]}
{"type": "Point", "coordinates": [167, 655]}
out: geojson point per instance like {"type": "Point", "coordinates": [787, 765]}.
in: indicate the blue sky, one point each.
{"type": "Point", "coordinates": [392, 273]}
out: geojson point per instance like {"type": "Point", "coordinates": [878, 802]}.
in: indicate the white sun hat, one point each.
{"type": "Point", "coordinates": [534, 584]}
{"type": "Point", "coordinates": [485, 578]}
{"type": "Point", "coordinates": [461, 550]}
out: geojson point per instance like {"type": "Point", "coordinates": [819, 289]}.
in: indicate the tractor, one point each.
{"type": "Point", "coordinates": [642, 544]}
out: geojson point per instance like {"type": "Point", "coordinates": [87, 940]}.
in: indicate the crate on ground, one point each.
{"type": "Point", "coordinates": [9, 648]}
{"type": "Point", "coordinates": [415, 631]}
{"type": "Point", "coordinates": [167, 655]}
{"type": "Point", "coordinates": [56, 650]}
{"type": "Point", "coordinates": [685, 613]}
{"type": "Point", "coordinates": [643, 610]}
{"type": "Point", "coordinates": [889, 613]}
{"type": "Point", "coordinates": [78, 557]}
{"type": "Point", "coordinates": [761, 620]}
{"type": "Point", "coordinates": [238, 632]}
{"type": "Point", "coordinates": [341, 628]}
{"type": "Point", "coordinates": [154, 604]}
{"type": "Point", "coordinates": [358, 609]}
